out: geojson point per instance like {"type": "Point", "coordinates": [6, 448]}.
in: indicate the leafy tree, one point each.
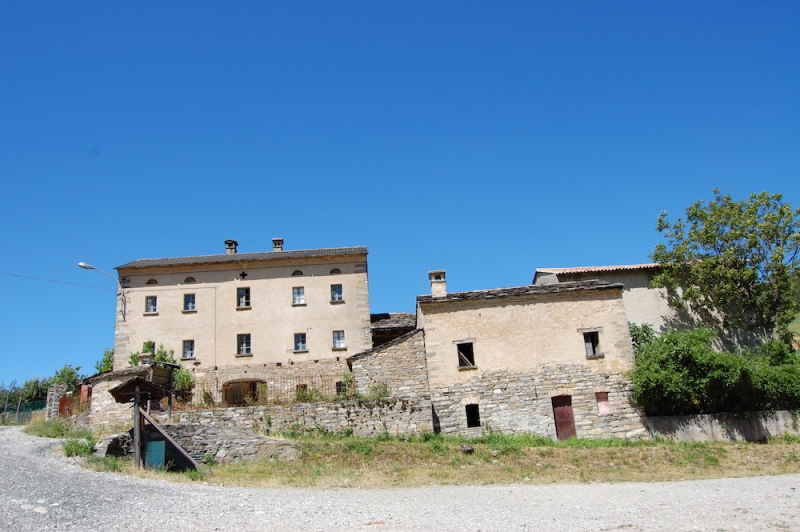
{"type": "Point", "coordinates": [69, 376]}
{"type": "Point", "coordinates": [148, 351]}
{"type": "Point", "coordinates": [732, 262]}
{"type": "Point", "coordinates": [106, 363]}
{"type": "Point", "coordinates": [34, 389]}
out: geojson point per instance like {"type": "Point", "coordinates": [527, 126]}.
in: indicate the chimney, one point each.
{"type": "Point", "coordinates": [277, 244]}
{"type": "Point", "coordinates": [438, 284]}
{"type": "Point", "coordinates": [230, 246]}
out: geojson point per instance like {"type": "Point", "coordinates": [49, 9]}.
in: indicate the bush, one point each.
{"type": "Point", "coordinates": [78, 446]}
{"type": "Point", "coordinates": [679, 373]}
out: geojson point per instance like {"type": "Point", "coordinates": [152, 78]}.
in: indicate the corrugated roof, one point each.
{"type": "Point", "coordinates": [514, 291]}
{"type": "Point", "coordinates": [594, 269]}
{"type": "Point", "coordinates": [245, 257]}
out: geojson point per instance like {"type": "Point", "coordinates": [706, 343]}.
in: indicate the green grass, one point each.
{"type": "Point", "coordinates": [56, 428]}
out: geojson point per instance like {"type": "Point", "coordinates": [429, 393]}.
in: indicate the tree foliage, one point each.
{"type": "Point", "coordinates": [733, 262]}
{"type": "Point", "coordinates": [679, 373]}
{"type": "Point", "coordinates": [182, 379]}
{"type": "Point", "coordinates": [69, 376]}
{"type": "Point", "coordinates": [106, 363]}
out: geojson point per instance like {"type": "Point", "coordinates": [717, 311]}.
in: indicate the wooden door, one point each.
{"type": "Point", "coordinates": [565, 422]}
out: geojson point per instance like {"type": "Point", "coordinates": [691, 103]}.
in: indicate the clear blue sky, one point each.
{"type": "Point", "coordinates": [486, 138]}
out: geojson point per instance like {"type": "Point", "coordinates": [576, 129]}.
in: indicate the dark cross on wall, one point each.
{"type": "Point", "coordinates": [243, 275]}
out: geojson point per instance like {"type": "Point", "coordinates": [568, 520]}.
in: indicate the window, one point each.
{"type": "Point", "coordinates": [188, 349]}
{"type": "Point", "coordinates": [603, 408]}
{"type": "Point", "coordinates": [336, 293]}
{"type": "Point", "coordinates": [298, 295]}
{"type": "Point", "coordinates": [300, 342]}
{"type": "Point", "coordinates": [341, 389]}
{"type": "Point", "coordinates": [152, 281]}
{"type": "Point", "coordinates": [151, 305]}
{"type": "Point", "coordinates": [189, 280]}
{"type": "Point", "coordinates": [336, 271]}
{"type": "Point", "coordinates": [466, 355]}
{"type": "Point", "coordinates": [188, 303]}
{"type": "Point", "coordinates": [243, 345]}
{"type": "Point", "coordinates": [297, 273]}
{"type": "Point", "coordinates": [592, 341]}
{"type": "Point", "coordinates": [243, 297]}
{"type": "Point", "coordinates": [473, 416]}
{"type": "Point", "coordinates": [338, 340]}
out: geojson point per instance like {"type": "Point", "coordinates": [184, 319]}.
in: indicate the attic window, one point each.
{"type": "Point", "coordinates": [297, 273]}
{"type": "Point", "coordinates": [466, 355]}
{"type": "Point", "coordinates": [335, 271]}
{"type": "Point", "coordinates": [152, 281]}
{"type": "Point", "coordinates": [592, 342]}
{"type": "Point", "coordinates": [189, 280]}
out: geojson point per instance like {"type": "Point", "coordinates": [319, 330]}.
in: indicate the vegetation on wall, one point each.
{"type": "Point", "coordinates": [679, 373]}
{"type": "Point", "coordinates": [733, 263]}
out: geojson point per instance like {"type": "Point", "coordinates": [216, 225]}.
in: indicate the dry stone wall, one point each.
{"type": "Point", "coordinates": [365, 418]}
{"type": "Point", "coordinates": [513, 402]}
{"type": "Point", "coordinates": [400, 365]}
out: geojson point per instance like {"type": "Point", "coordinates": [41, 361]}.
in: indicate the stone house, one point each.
{"type": "Point", "coordinates": [546, 359]}
{"type": "Point", "coordinates": [249, 323]}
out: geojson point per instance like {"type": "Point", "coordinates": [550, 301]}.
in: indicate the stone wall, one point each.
{"type": "Point", "coordinates": [365, 418]}
{"type": "Point", "coordinates": [399, 364]}
{"type": "Point", "coordinates": [515, 402]}
{"type": "Point", "coordinates": [745, 426]}
{"type": "Point", "coordinates": [54, 395]}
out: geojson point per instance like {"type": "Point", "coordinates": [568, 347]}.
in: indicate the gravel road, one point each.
{"type": "Point", "coordinates": [41, 491]}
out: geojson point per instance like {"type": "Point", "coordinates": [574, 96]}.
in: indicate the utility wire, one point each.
{"type": "Point", "coordinates": [54, 281]}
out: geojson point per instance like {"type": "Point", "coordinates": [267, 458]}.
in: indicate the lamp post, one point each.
{"type": "Point", "coordinates": [119, 285]}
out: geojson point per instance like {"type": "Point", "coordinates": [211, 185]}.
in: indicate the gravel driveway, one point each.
{"type": "Point", "coordinates": [40, 491]}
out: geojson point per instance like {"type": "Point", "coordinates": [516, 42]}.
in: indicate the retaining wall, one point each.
{"type": "Point", "coordinates": [746, 426]}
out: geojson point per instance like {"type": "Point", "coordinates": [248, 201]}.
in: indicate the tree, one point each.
{"type": "Point", "coordinates": [106, 363]}
{"type": "Point", "coordinates": [732, 262]}
{"type": "Point", "coordinates": [69, 376]}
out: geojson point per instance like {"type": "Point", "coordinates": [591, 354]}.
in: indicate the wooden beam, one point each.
{"type": "Point", "coordinates": [206, 472]}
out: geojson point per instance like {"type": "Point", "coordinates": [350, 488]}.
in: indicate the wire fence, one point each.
{"type": "Point", "coordinates": [22, 414]}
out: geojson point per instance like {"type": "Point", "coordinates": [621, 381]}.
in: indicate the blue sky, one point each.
{"type": "Point", "coordinates": [486, 138]}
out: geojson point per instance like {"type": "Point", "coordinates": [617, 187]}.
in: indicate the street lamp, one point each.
{"type": "Point", "coordinates": [121, 289]}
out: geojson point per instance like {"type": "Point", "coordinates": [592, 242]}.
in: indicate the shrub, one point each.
{"type": "Point", "coordinates": [78, 446]}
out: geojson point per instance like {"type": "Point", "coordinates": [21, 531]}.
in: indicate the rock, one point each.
{"type": "Point", "coordinates": [116, 445]}
{"type": "Point", "coordinates": [467, 449]}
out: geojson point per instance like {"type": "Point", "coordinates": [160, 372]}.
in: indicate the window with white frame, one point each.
{"type": "Point", "coordinates": [300, 342]}
{"type": "Point", "coordinates": [188, 349]}
{"type": "Point", "coordinates": [338, 340]}
{"type": "Point", "coordinates": [188, 303]}
{"type": "Point", "coordinates": [151, 304]}
{"type": "Point", "coordinates": [243, 297]}
{"type": "Point", "coordinates": [298, 295]}
{"type": "Point", "coordinates": [243, 345]}
{"type": "Point", "coordinates": [336, 293]}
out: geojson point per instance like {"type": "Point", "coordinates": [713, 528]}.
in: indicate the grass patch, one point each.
{"type": "Point", "coordinates": [56, 428]}
{"type": "Point", "coordinates": [341, 460]}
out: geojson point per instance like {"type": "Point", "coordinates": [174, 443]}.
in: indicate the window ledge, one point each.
{"type": "Point", "coordinates": [339, 349]}
{"type": "Point", "coordinates": [189, 311]}
{"type": "Point", "coordinates": [337, 302]}
{"type": "Point", "coordinates": [243, 355]}
{"type": "Point", "coordinates": [466, 368]}
{"type": "Point", "coordinates": [243, 308]}
{"type": "Point", "coordinates": [298, 304]}
{"type": "Point", "coordinates": [188, 358]}
{"type": "Point", "coordinates": [150, 314]}
{"type": "Point", "coordinates": [595, 356]}
{"type": "Point", "coordinates": [300, 351]}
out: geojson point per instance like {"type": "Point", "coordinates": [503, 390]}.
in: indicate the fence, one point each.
{"type": "Point", "coordinates": [22, 414]}
{"type": "Point", "coordinates": [283, 390]}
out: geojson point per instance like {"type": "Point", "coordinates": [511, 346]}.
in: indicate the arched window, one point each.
{"type": "Point", "coordinates": [189, 280]}
{"type": "Point", "coordinates": [152, 281]}
{"type": "Point", "coordinates": [335, 271]}
{"type": "Point", "coordinates": [297, 273]}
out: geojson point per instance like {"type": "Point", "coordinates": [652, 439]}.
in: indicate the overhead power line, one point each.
{"type": "Point", "coordinates": [60, 282]}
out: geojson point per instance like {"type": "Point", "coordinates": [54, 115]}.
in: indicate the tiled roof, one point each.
{"type": "Point", "coordinates": [393, 320]}
{"type": "Point", "coordinates": [594, 269]}
{"type": "Point", "coordinates": [515, 291]}
{"type": "Point", "coordinates": [245, 257]}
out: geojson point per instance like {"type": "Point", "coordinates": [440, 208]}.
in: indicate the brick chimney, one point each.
{"type": "Point", "coordinates": [277, 244]}
{"type": "Point", "coordinates": [438, 284]}
{"type": "Point", "coordinates": [230, 246]}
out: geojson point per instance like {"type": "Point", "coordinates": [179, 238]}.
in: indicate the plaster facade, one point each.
{"type": "Point", "coordinates": [264, 300]}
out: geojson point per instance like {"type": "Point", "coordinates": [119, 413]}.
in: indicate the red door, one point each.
{"type": "Point", "coordinates": [565, 423]}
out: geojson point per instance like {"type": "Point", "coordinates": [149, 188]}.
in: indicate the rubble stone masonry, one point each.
{"type": "Point", "coordinates": [399, 365]}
